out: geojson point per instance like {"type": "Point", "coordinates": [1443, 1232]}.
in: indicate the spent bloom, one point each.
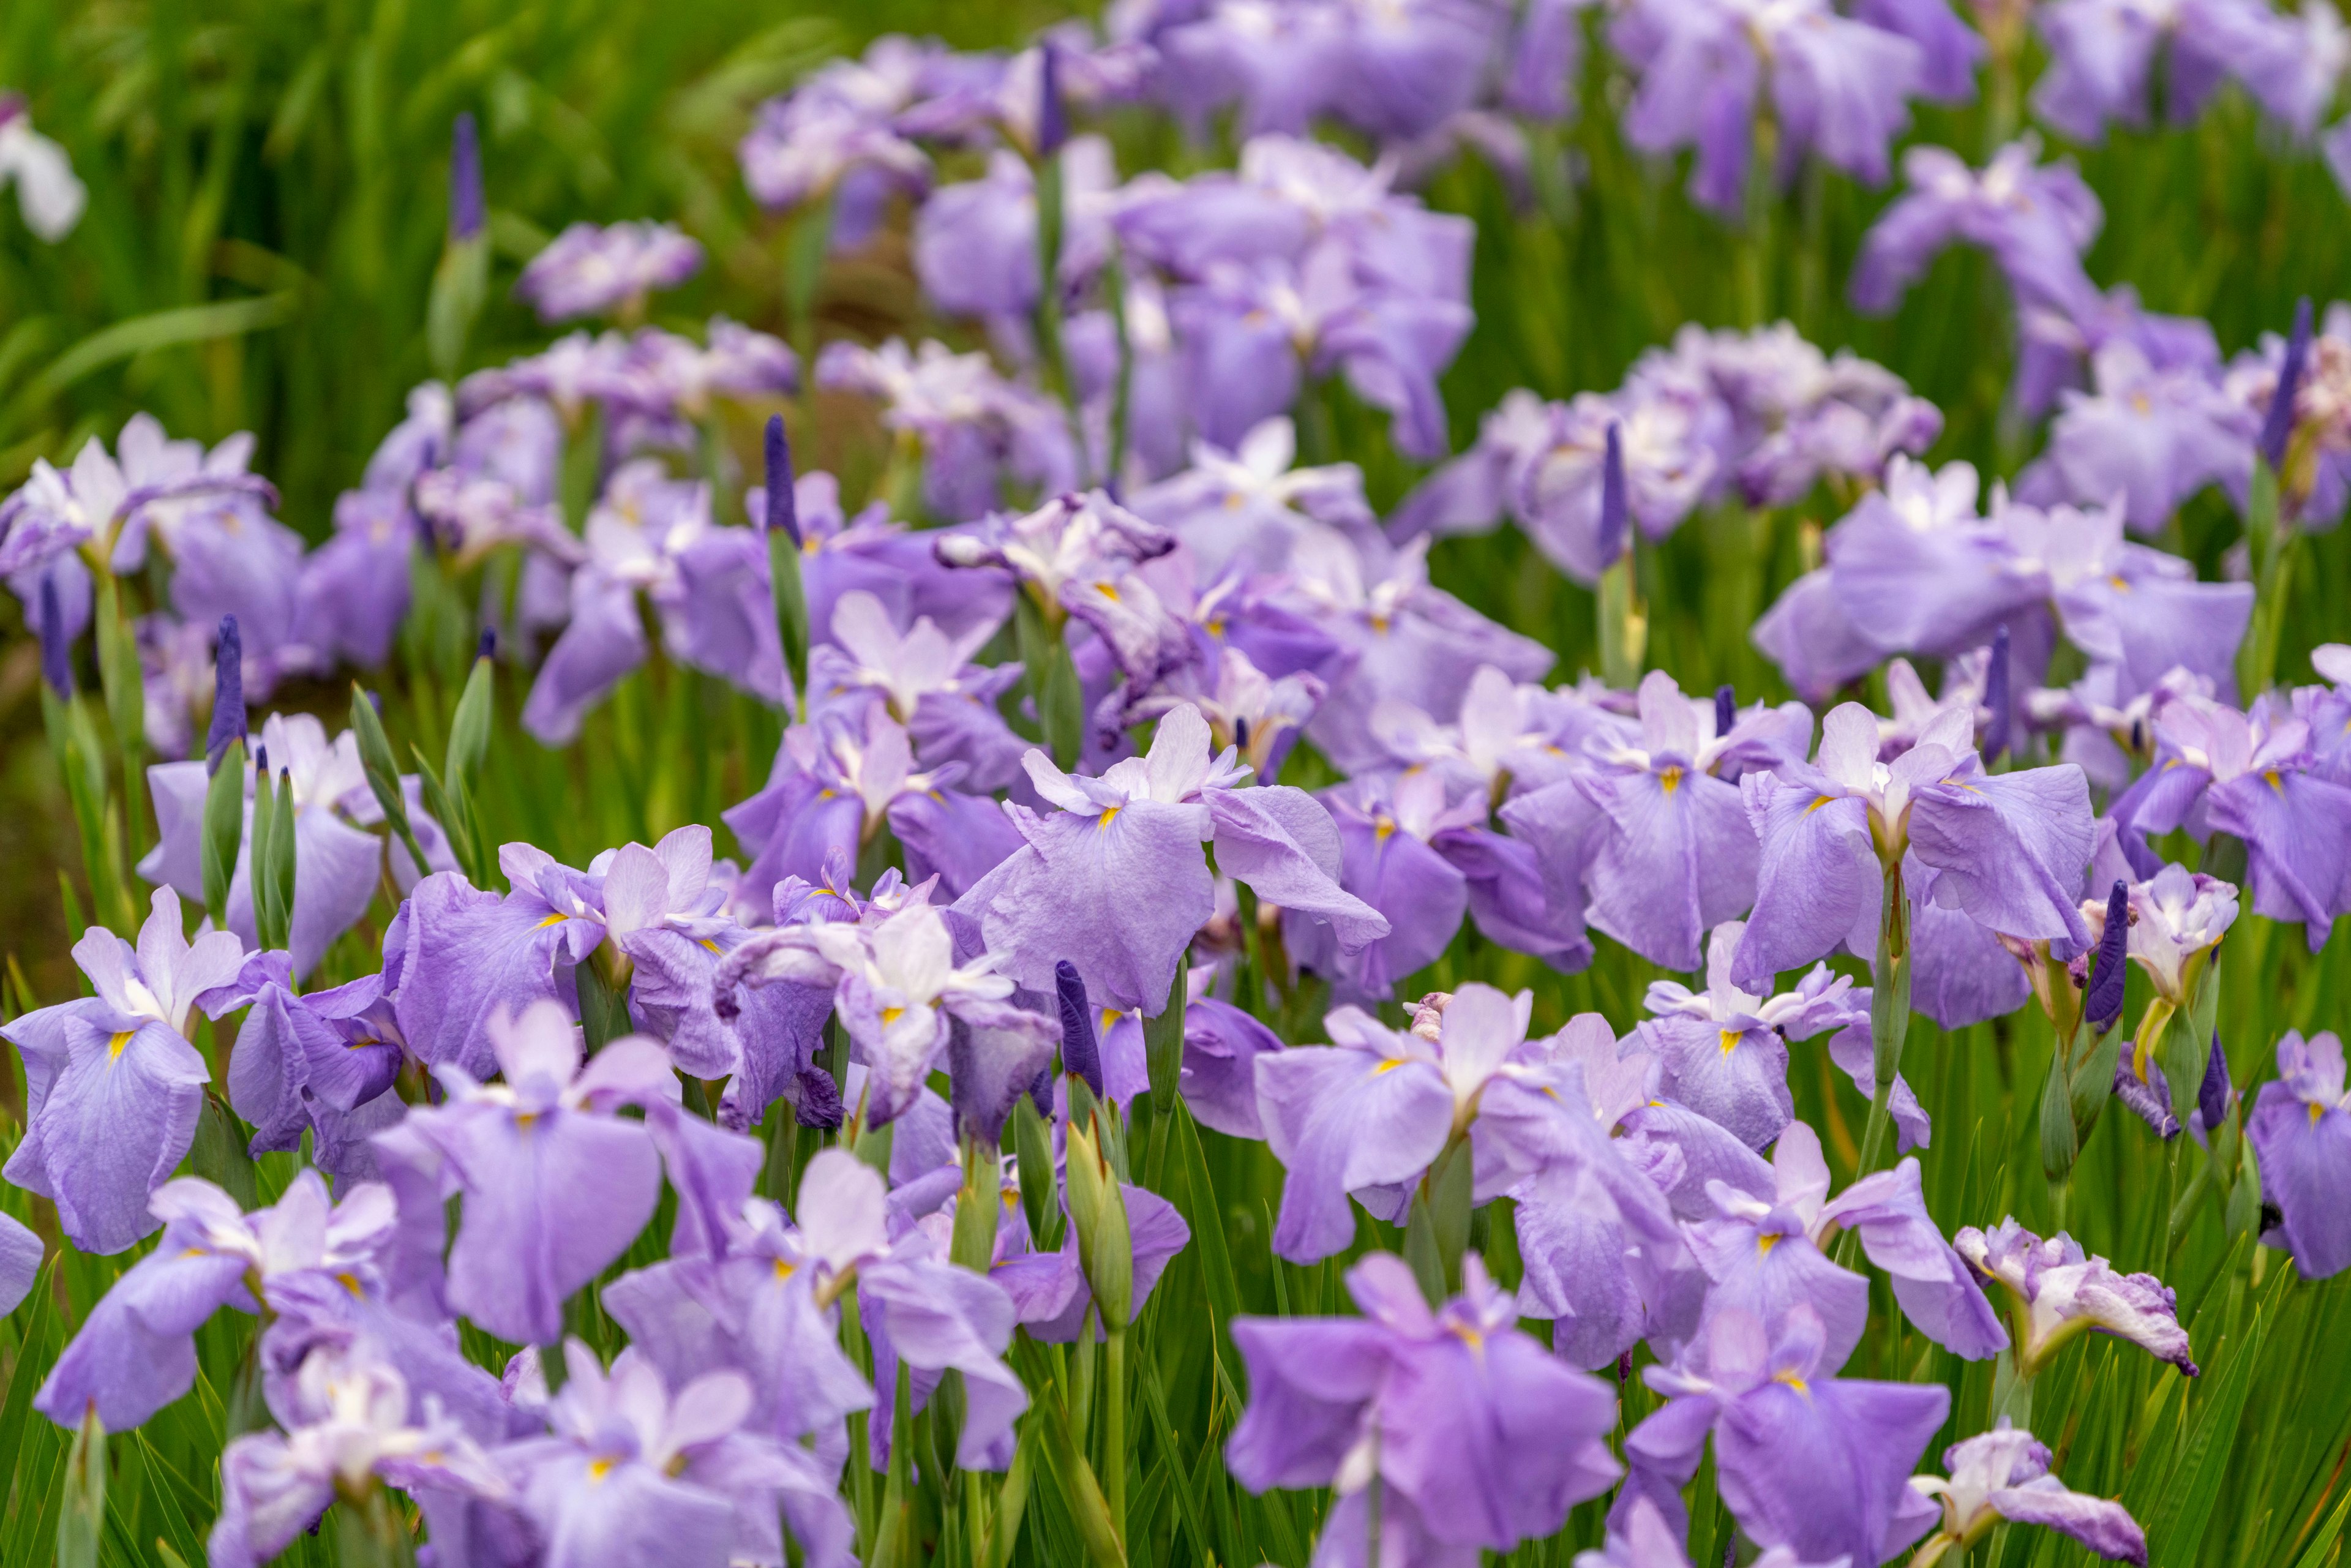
{"type": "Point", "coordinates": [2056, 1293]}
{"type": "Point", "coordinates": [2002, 1477]}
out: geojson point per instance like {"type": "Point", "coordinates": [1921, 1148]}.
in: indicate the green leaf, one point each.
{"type": "Point", "coordinates": [2175, 1528]}
{"type": "Point", "coordinates": [160, 330]}
{"type": "Point", "coordinates": [32, 1364]}
{"type": "Point", "coordinates": [469, 729]}
{"type": "Point", "coordinates": [2322, 1543]}
{"type": "Point", "coordinates": [224, 830]}
{"type": "Point", "coordinates": [383, 774]}
{"type": "Point", "coordinates": [83, 1525]}
{"type": "Point", "coordinates": [460, 284]}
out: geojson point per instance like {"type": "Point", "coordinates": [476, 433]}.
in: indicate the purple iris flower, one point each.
{"type": "Point", "coordinates": [653, 534]}
{"type": "Point", "coordinates": [1814, 1463]}
{"type": "Point", "coordinates": [337, 864]}
{"type": "Point", "coordinates": [2002, 1477]}
{"type": "Point", "coordinates": [322, 1063]}
{"type": "Point", "coordinates": [2036, 220]}
{"type": "Point", "coordinates": [2057, 1292]}
{"type": "Point", "coordinates": [1642, 1539]}
{"type": "Point", "coordinates": [1367, 1115]}
{"type": "Point", "coordinates": [1724, 1053]}
{"type": "Point", "coordinates": [112, 1085]}
{"type": "Point", "coordinates": [2154, 433]}
{"type": "Point", "coordinates": [1672, 853]}
{"type": "Point", "coordinates": [840, 555]}
{"type": "Point", "coordinates": [635, 1473]}
{"type": "Point", "coordinates": [975, 428]}
{"type": "Point", "coordinates": [1836, 87]}
{"type": "Point", "coordinates": [136, 1353]}
{"type": "Point", "coordinates": [2301, 1132]}
{"type": "Point", "coordinates": [834, 135]}
{"type": "Point", "coordinates": [2255, 775]}
{"type": "Point", "coordinates": [351, 1421]}
{"type": "Point", "coordinates": [2007, 849]}
{"type": "Point", "coordinates": [1254, 506]}
{"type": "Point", "coordinates": [1387, 858]}
{"type": "Point", "coordinates": [2103, 57]}
{"type": "Point", "coordinates": [975, 243]}
{"type": "Point", "coordinates": [556, 1186]}
{"type": "Point", "coordinates": [927, 680]}
{"type": "Point", "coordinates": [1475, 1435]}
{"type": "Point", "coordinates": [1051, 1289]}
{"type": "Point", "coordinates": [354, 588]}
{"type": "Point", "coordinates": [587, 270]}
{"type": "Point", "coordinates": [1765, 1255]}
{"type": "Point", "coordinates": [1070, 891]}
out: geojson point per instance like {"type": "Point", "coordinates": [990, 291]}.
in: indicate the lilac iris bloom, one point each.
{"type": "Point", "coordinates": [1642, 1539]}
{"type": "Point", "coordinates": [2103, 57]}
{"type": "Point", "coordinates": [1070, 891]}
{"type": "Point", "coordinates": [1370, 1114]}
{"type": "Point", "coordinates": [869, 552]}
{"type": "Point", "coordinates": [322, 1062]}
{"type": "Point", "coordinates": [2002, 1477]}
{"type": "Point", "coordinates": [2007, 849]}
{"type": "Point", "coordinates": [1476, 1437]}
{"type": "Point", "coordinates": [634, 1474]}
{"type": "Point", "coordinates": [1253, 506]}
{"type": "Point", "coordinates": [556, 1186]}
{"type": "Point", "coordinates": [1837, 87]}
{"type": "Point", "coordinates": [709, 583]}
{"type": "Point", "coordinates": [136, 1353]}
{"type": "Point", "coordinates": [112, 1085]}
{"type": "Point", "coordinates": [975, 428]}
{"type": "Point", "coordinates": [1816, 1464]}
{"type": "Point", "coordinates": [1724, 1053]}
{"type": "Point", "coordinates": [975, 243]}
{"type": "Point", "coordinates": [928, 683]}
{"type": "Point", "coordinates": [1765, 1255]}
{"type": "Point", "coordinates": [587, 270]}
{"type": "Point", "coordinates": [352, 1423]}
{"type": "Point", "coordinates": [2156, 433]}
{"type": "Point", "coordinates": [2036, 220]}
{"type": "Point", "coordinates": [2301, 1132]}
{"type": "Point", "coordinates": [2057, 1292]}
{"type": "Point", "coordinates": [337, 866]}
{"type": "Point", "coordinates": [835, 135]}
{"type": "Point", "coordinates": [1671, 851]}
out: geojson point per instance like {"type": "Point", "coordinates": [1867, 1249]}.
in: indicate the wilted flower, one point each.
{"type": "Point", "coordinates": [2002, 1477]}
{"type": "Point", "coordinates": [2057, 1291]}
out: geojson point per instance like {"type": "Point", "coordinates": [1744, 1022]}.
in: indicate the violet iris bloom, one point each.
{"type": "Point", "coordinates": [2155, 433]}
{"type": "Point", "coordinates": [112, 1085]}
{"type": "Point", "coordinates": [1475, 1435]}
{"type": "Point", "coordinates": [2103, 57]}
{"type": "Point", "coordinates": [322, 1063]}
{"type": "Point", "coordinates": [2036, 220]}
{"type": "Point", "coordinates": [2002, 1477]}
{"type": "Point", "coordinates": [1070, 892]}
{"type": "Point", "coordinates": [352, 1423]}
{"type": "Point", "coordinates": [928, 683]}
{"type": "Point", "coordinates": [653, 533]}
{"type": "Point", "coordinates": [1766, 1255]}
{"type": "Point", "coordinates": [1642, 1538]}
{"type": "Point", "coordinates": [2057, 1292]}
{"type": "Point", "coordinates": [136, 1351]}
{"type": "Point", "coordinates": [634, 1474]}
{"type": "Point", "coordinates": [2007, 849]}
{"type": "Point", "coordinates": [2301, 1132]}
{"type": "Point", "coordinates": [1837, 88]}
{"type": "Point", "coordinates": [977, 429]}
{"type": "Point", "coordinates": [1816, 1464]}
{"type": "Point", "coordinates": [1368, 1114]}
{"type": "Point", "coordinates": [556, 1186]}
{"type": "Point", "coordinates": [1253, 506]}
{"type": "Point", "coordinates": [835, 135]}
{"type": "Point", "coordinates": [587, 271]}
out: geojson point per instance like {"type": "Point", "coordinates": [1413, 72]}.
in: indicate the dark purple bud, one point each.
{"type": "Point", "coordinates": [1726, 710]}
{"type": "Point", "coordinates": [1081, 1052]}
{"type": "Point", "coordinates": [467, 214]}
{"type": "Point", "coordinates": [228, 694]}
{"type": "Point", "coordinates": [261, 763]}
{"type": "Point", "coordinates": [2277, 427]}
{"type": "Point", "coordinates": [1052, 116]}
{"type": "Point", "coordinates": [1615, 521]}
{"type": "Point", "coordinates": [487, 648]}
{"type": "Point", "coordinates": [783, 510]}
{"type": "Point", "coordinates": [56, 656]}
{"type": "Point", "coordinates": [2151, 1101]}
{"type": "Point", "coordinates": [2213, 1094]}
{"type": "Point", "coordinates": [2104, 1002]}
{"type": "Point", "coordinates": [1240, 733]}
{"type": "Point", "coordinates": [1995, 742]}
{"type": "Point", "coordinates": [820, 1100]}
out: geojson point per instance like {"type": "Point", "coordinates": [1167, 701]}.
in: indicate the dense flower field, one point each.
{"type": "Point", "coordinates": [1210, 932]}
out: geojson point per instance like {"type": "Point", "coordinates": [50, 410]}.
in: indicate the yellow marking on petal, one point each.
{"type": "Point", "coordinates": [706, 942]}
{"type": "Point", "coordinates": [351, 1282]}
{"type": "Point", "coordinates": [558, 918]}
{"type": "Point", "coordinates": [1765, 1242]}
{"type": "Point", "coordinates": [1383, 829]}
{"type": "Point", "coordinates": [1472, 1337]}
{"type": "Point", "coordinates": [1670, 780]}
{"type": "Point", "coordinates": [1389, 1065]}
{"type": "Point", "coordinates": [1215, 627]}
{"type": "Point", "coordinates": [1792, 1380]}
{"type": "Point", "coordinates": [1380, 624]}
{"type": "Point", "coordinates": [783, 1270]}
{"type": "Point", "coordinates": [362, 1044]}
{"type": "Point", "coordinates": [1103, 820]}
{"type": "Point", "coordinates": [2118, 584]}
{"type": "Point", "coordinates": [1108, 591]}
{"type": "Point", "coordinates": [892, 1015]}
{"type": "Point", "coordinates": [1730, 1039]}
{"type": "Point", "coordinates": [2316, 1110]}
{"type": "Point", "coordinates": [523, 1119]}
{"type": "Point", "coordinates": [114, 1046]}
{"type": "Point", "coordinates": [2274, 781]}
{"type": "Point", "coordinates": [1817, 804]}
{"type": "Point", "coordinates": [1109, 1019]}
{"type": "Point", "coordinates": [599, 1468]}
